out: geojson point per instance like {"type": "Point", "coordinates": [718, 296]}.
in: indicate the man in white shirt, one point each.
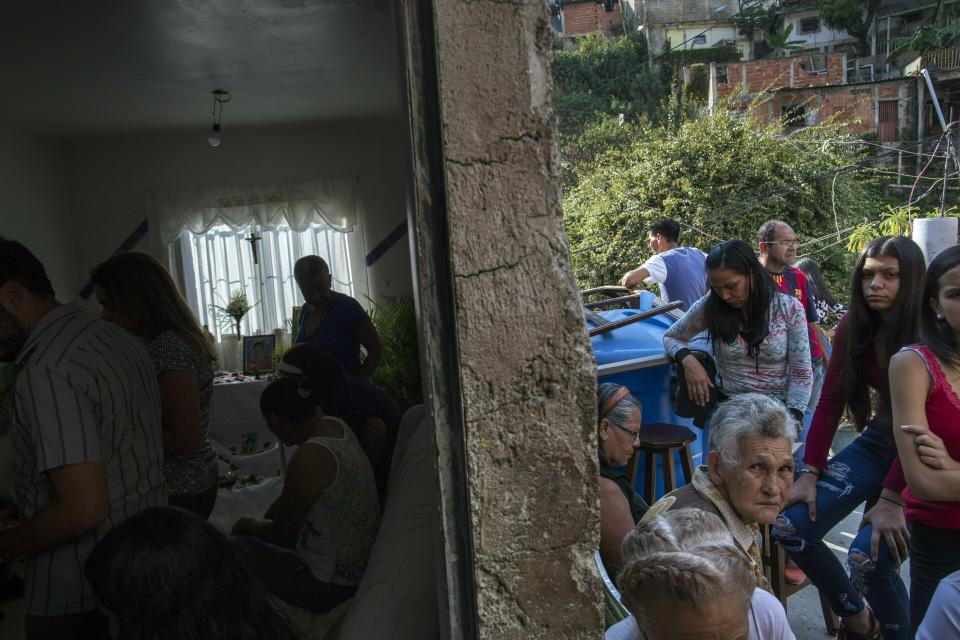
{"type": "Point", "coordinates": [678, 270]}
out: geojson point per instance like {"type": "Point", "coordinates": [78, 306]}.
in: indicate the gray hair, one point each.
{"type": "Point", "coordinates": [683, 556]}
{"type": "Point", "coordinates": [745, 415]}
{"type": "Point", "coordinates": [662, 580]}
{"type": "Point", "coordinates": [675, 530]}
{"type": "Point", "coordinates": [621, 412]}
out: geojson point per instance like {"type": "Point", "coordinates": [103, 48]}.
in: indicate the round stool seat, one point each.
{"type": "Point", "coordinates": [664, 436]}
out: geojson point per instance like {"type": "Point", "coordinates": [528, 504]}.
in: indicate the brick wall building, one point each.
{"type": "Point", "coordinates": [808, 89]}
{"type": "Point", "coordinates": [757, 76]}
{"type": "Point", "coordinates": [886, 108]}
{"type": "Point", "coordinates": [581, 17]}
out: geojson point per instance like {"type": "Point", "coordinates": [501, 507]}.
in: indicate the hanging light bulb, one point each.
{"type": "Point", "coordinates": [214, 137]}
{"type": "Point", "coordinates": [219, 97]}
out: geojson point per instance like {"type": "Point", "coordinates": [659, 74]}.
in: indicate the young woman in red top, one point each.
{"type": "Point", "coordinates": [883, 317]}
{"type": "Point", "coordinates": [924, 386]}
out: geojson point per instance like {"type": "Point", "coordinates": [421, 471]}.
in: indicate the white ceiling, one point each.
{"type": "Point", "coordinates": [73, 67]}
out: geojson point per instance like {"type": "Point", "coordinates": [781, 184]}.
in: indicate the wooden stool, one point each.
{"type": "Point", "coordinates": [663, 440]}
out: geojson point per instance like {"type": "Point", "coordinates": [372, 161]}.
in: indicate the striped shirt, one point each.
{"type": "Point", "coordinates": [86, 393]}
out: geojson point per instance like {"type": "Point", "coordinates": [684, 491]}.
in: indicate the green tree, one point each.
{"type": "Point", "coordinates": [853, 16]}
{"type": "Point", "coordinates": [720, 176]}
{"type": "Point", "coordinates": [780, 43]}
{"type": "Point", "coordinates": [604, 77]}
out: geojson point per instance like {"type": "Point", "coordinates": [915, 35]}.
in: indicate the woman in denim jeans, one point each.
{"type": "Point", "coordinates": [883, 317]}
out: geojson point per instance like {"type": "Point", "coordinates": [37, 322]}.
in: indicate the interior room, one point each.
{"type": "Point", "coordinates": [245, 134]}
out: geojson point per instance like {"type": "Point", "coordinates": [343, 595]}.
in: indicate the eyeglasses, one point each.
{"type": "Point", "coordinates": [634, 435]}
{"type": "Point", "coordinates": [789, 243]}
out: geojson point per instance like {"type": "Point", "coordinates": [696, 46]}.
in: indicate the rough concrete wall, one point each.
{"type": "Point", "coordinates": [526, 366]}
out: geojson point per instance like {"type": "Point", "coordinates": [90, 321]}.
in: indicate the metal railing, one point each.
{"type": "Point", "coordinates": [943, 59]}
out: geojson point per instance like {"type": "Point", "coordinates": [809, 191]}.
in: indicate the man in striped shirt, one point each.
{"type": "Point", "coordinates": [86, 434]}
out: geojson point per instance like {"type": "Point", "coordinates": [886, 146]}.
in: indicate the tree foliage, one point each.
{"type": "Point", "coordinates": [720, 176]}
{"type": "Point", "coordinates": [853, 16]}
{"type": "Point", "coordinates": [604, 77]}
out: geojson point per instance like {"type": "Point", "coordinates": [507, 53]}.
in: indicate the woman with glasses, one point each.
{"type": "Point", "coordinates": [618, 433]}
{"type": "Point", "coordinates": [759, 335]}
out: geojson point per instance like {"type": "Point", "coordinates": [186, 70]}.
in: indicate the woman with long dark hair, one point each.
{"type": "Point", "coordinates": [759, 335]}
{"type": "Point", "coordinates": [829, 309]}
{"type": "Point", "coordinates": [138, 294]}
{"type": "Point", "coordinates": [924, 388]}
{"type": "Point", "coordinates": [883, 317]}
{"type": "Point", "coordinates": [165, 574]}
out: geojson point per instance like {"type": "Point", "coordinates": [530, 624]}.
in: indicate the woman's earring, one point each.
{"type": "Point", "coordinates": [939, 317]}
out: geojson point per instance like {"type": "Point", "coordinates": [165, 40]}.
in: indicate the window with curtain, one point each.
{"type": "Point", "coordinates": [219, 262]}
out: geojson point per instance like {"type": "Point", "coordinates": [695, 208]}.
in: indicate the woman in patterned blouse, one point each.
{"type": "Point", "coordinates": [759, 335]}
{"type": "Point", "coordinates": [137, 293]}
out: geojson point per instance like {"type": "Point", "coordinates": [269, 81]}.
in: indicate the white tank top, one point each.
{"type": "Point", "coordinates": [340, 528]}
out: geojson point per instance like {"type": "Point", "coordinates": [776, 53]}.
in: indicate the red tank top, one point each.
{"type": "Point", "coordinates": [943, 418]}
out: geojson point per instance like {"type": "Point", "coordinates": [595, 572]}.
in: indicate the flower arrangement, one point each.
{"type": "Point", "coordinates": [236, 308]}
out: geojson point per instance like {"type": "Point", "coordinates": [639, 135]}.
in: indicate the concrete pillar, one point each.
{"type": "Point", "coordinates": [519, 355]}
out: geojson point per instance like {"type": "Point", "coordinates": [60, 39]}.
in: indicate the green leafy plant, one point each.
{"type": "Point", "coordinates": [780, 43]}
{"type": "Point", "coordinates": [894, 221]}
{"type": "Point", "coordinates": [399, 370]}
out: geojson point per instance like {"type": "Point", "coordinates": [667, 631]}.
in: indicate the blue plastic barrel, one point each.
{"type": "Point", "coordinates": [637, 349]}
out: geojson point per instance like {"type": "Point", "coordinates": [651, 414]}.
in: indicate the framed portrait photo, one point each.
{"type": "Point", "coordinates": [258, 354]}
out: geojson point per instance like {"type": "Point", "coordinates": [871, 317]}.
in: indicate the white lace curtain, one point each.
{"type": "Point", "coordinates": [219, 262]}
{"type": "Point", "coordinates": [335, 203]}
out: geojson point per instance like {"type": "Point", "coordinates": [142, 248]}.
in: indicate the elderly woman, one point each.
{"type": "Point", "coordinates": [618, 431]}
{"type": "Point", "coordinates": [749, 471]}
{"type": "Point", "coordinates": [694, 530]}
{"type": "Point", "coordinates": [683, 594]}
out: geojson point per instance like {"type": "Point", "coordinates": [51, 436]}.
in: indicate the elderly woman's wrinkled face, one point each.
{"type": "Point", "coordinates": [757, 487]}
{"type": "Point", "coordinates": [723, 619]}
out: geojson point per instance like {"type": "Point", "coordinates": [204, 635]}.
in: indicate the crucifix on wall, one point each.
{"type": "Point", "coordinates": [253, 239]}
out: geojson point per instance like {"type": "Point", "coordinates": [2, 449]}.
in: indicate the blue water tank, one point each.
{"type": "Point", "coordinates": [634, 357]}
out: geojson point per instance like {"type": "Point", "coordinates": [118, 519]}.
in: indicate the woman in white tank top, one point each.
{"type": "Point", "coordinates": [313, 549]}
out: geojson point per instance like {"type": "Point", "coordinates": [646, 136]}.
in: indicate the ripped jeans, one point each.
{"type": "Point", "coordinates": [852, 476]}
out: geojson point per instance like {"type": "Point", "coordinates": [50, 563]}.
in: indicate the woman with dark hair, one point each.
{"type": "Point", "coordinates": [618, 432]}
{"type": "Point", "coordinates": [924, 388]}
{"type": "Point", "coordinates": [165, 574]}
{"type": "Point", "coordinates": [313, 549]}
{"type": "Point", "coordinates": [138, 294]}
{"type": "Point", "coordinates": [883, 317]}
{"type": "Point", "coordinates": [759, 335]}
{"type": "Point", "coordinates": [829, 310]}
{"type": "Point", "coordinates": [366, 409]}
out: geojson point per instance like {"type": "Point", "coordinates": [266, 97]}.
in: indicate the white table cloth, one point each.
{"type": "Point", "coordinates": [244, 445]}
